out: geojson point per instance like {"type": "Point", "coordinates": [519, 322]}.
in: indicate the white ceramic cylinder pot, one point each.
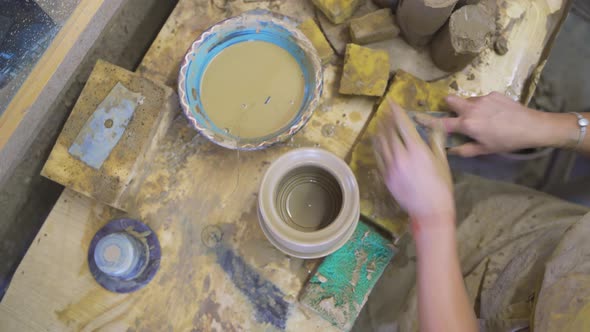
{"type": "Point", "coordinates": [308, 203]}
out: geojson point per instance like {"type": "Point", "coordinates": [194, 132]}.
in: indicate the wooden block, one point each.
{"type": "Point", "coordinates": [377, 204]}
{"type": "Point", "coordinates": [109, 180]}
{"type": "Point", "coordinates": [376, 26]}
{"type": "Point", "coordinates": [339, 288]}
{"type": "Point", "coordinates": [317, 38]}
{"type": "Point", "coordinates": [366, 71]}
{"type": "Point", "coordinates": [338, 11]}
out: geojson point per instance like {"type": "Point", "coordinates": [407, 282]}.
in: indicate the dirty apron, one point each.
{"type": "Point", "coordinates": [525, 258]}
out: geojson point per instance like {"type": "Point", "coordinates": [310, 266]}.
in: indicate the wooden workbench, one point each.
{"type": "Point", "coordinates": [192, 189]}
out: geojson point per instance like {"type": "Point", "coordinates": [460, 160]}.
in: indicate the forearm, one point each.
{"type": "Point", "coordinates": [559, 130]}
{"type": "Point", "coordinates": [442, 299]}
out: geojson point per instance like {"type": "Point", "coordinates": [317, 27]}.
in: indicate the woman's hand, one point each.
{"type": "Point", "coordinates": [495, 122]}
{"type": "Point", "coordinates": [417, 175]}
{"type": "Point", "coordinates": [419, 178]}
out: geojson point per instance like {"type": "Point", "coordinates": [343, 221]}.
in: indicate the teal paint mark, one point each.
{"type": "Point", "coordinates": [342, 283]}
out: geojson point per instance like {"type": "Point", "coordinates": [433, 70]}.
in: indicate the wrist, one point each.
{"type": "Point", "coordinates": [557, 130]}
{"type": "Point", "coordinates": [427, 228]}
{"type": "Point", "coordinates": [435, 239]}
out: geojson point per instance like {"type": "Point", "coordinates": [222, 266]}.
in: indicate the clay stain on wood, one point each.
{"type": "Point", "coordinates": [267, 299]}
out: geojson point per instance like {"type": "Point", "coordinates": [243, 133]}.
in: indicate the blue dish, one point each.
{"type": "Point", "coordinates": [256, 25]}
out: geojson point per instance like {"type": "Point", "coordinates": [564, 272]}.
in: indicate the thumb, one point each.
{"type": "Point", "coordinates": [458, 105]}
{"type": "Point", "coordinates": [449, 124]}
{"type": "Point", "coordinates": [467, 150]}
{"type": "Point", "coordinates": [438, 137]}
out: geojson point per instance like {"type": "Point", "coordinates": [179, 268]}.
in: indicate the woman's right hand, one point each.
{"type": "Point", "coordinates": [495, 122]}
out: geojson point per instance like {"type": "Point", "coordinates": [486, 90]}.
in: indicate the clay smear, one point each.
{"type": "Point", "coordinates": [308, 199]}
{"type": "Point", "coordinates": [252, 89]}
{"type": "Point", "coordinates": [420, 19]}
{"type": "Point", "coordinates": [462, 39]}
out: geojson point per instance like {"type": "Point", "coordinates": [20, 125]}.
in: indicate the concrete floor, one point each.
{"type": "Point", "coordinates": [27, 198]}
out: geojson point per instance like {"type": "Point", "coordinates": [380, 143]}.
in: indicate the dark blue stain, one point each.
{"type": "Point", "coordinates": [266, 298]}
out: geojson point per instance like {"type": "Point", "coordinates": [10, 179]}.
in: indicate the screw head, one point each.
{"type": "Point", "coordinates": [211, 236]}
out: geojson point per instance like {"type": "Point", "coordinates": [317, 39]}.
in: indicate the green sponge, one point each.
{"type": "Point", "coordinates": [342, 283]}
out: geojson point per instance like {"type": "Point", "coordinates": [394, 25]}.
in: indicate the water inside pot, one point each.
{"type": "Point", "coordinates": [308, 198]}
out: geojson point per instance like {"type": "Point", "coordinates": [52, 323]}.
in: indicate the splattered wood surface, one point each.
{"type": "Point", "coordinates": [218, 272]}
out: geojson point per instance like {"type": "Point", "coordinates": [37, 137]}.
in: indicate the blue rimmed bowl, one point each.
{"type": "Point", "coordinates": [257, 25]}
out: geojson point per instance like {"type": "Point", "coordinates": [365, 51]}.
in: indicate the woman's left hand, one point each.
{"type": "Point", "coordinates": [417, 175]}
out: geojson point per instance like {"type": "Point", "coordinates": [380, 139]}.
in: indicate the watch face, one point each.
{"type": "Point", "coordinates": [583, 122]}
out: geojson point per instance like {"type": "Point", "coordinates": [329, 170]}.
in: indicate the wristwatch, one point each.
{"type": "Point", "coordinates": [582, 123]}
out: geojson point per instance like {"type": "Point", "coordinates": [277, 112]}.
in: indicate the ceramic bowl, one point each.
{"type": "Point", "coordinates": [259, 25]}
{"type": "Point", "coordinates": [301, 177]}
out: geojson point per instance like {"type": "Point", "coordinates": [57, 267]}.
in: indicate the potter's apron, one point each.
{"type": "Point", "coordinates": [525, 257]}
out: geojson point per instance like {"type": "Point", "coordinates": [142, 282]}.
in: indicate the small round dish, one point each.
{"type": "Point", "coordinates": [137, 256]}
{"type": "Point", "coordinates": [256, 25]}
{"type": "Point", "coordinates": [295, 178]}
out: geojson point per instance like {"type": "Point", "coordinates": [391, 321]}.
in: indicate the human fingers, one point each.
{"type": "Point", "coordinates": [383, 148]}
{"type": "Point", "coordinates": [458, 105]}
{"type": "Point", "coordinates": [426, 120]}
{"type": "Point", "coordinates": [437, 141]}
{"type": "Point", "coordinates": [406, 129]}
{"type": "Point", "coordinates": [467, 150]}
{"type": "Point", "coordinates": [389, 128]}
{"type": "Point", "coordinates": [453, 125]}
{"type": "Point", "coordinates": [389, 135]}
{"type": "Point", "coordinates": [379, 158]}
{"type": "Point", "coordinates": [449, 124]}
{"type": "Point", "coordinates": [438, 133]}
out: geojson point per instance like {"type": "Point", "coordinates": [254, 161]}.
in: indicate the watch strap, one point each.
{"type": "Point", "coordinates": [583, 125]}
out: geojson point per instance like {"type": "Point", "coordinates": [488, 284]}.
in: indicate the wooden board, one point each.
{"type": "Point", "coordinates": [190, 187]}
{"type": "Point", "coordinates": [110, 183]}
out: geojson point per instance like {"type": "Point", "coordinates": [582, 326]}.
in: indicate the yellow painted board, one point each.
{"type": "Point", "coordinates": [110, 183]}
{"type": "Point", "coordinates": [310, 28]}
{"type": "Point", "coordinates": [365, 71]}
{"type": "Point", "coordinates": [377, 204]}
{"type": "Point", "coordinates": [338, 11]}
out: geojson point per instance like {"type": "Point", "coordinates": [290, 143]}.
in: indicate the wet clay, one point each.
{"type": "Point", "coordinates": [252, 89]}
{"type": "Point", "coordinates": [308, 198]}
{"type": "Point", "coordinates": [501, 45]}
{"type": "Point", "coordinates": [420, 19]}
{"type": "Point", "coordinates": [467, 33]}
{"type": "Point", "coordinates": [386, 3]}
